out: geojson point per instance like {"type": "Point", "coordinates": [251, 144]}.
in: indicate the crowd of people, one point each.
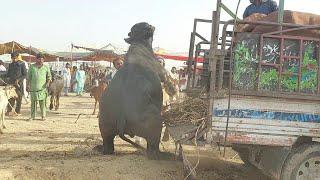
{"type": "Point", "coordinates": [32, 81]}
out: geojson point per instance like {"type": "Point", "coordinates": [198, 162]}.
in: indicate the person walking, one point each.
{"type": "Point", "coordinates": [73, 79]}
{"type": "Point", "coordinates": [66, 73]}
{"type": "Point", "coordinates": [39, 78]}
{"type": "Point", "coordinates": [80, 80]}
{"type": "Point", "coordinates": [17, 72]}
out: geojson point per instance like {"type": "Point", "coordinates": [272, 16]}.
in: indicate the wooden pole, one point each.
{"type": "Point", "coordinates": [71, 55]}
{"type": "Point", "coordinates": [12, 47]}
{"type": "Point", "coordinates": [29, 54]}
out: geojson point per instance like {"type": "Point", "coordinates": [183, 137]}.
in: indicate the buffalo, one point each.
{"type": "Point", "coordinates": [132, 105]}
{"type": "Point", "coordinates": [55, 89]}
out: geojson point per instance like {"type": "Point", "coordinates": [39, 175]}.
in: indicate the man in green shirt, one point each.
{"type": "Point", "coordinates": [39, 78]}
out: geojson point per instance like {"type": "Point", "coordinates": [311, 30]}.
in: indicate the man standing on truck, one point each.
{"type": "Point", "coordinates": [260, 6]}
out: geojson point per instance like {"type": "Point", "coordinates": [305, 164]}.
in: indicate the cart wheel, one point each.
{"type": "Point", "coordinates": [303, 163]}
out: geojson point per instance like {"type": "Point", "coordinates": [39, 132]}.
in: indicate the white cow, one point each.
{"type": "Point", "coordinates": [6, 92]}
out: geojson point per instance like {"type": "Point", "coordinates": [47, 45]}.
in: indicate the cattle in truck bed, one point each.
{"type": "Point", "coordinates": [292, 17]}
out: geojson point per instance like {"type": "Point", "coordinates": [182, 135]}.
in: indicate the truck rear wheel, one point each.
{"type": "Point", "coordinates": [303, 163]}
{"type": "Point", "coordinates": [243, 154]}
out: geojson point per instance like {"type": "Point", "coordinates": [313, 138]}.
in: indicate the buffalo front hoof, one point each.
{"type": "Point", "coordinates": [98, 148]}
{"type": "Point", "coordinates": [153, 155]}
{"type": "Point", "coordinates": [103, 150]}
{"type": "Point", "coordinates": [108, 151]}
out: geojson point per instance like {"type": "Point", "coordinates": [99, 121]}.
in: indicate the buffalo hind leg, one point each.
{"type": "Point", "coordinates": [57, 102]}
{"type": "Point", "coordinates": [108, 144]}
{"type": "Point", "coordinates": [51, 102]}
{"type": "Point", "coordinates": [153, 141]}
{"type": "Point", "coordinates": [95, 106]}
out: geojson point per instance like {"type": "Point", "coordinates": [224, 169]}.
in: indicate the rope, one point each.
{"type": "Point", "coordinates": [198, 151]}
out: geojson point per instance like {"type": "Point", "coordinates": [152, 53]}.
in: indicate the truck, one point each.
{"type": "Point", "coordinates": [271, 113]}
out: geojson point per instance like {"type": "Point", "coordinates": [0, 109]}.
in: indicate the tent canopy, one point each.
{"type": "Point", "coordinates": [9, 47]}
{"type": "Point", "coordinates": [95, 54]}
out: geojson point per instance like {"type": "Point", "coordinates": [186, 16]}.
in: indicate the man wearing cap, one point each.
{"type": "Point", "coordinates": [260, 6]}
{"type": "Point", "coordinates": [17, 72]}
{"type": "Point", "coordinates": [39, 78]}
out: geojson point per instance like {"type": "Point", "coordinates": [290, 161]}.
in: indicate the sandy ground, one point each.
{"type": "Point", "coordinates": [59, 148]}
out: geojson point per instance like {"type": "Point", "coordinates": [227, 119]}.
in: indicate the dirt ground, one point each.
{"type": "Point", "coordinates": [60, 148]}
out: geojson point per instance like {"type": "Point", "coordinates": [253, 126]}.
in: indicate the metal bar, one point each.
{"type": "Point", "coordinates": [223, 48]}
{"type": "Point", "coordinates": [300, 64]}
{"type": "Point", "coordinates": [221, 69]}
{"type": "Point", "coordinates": [213, 60]}
{"type": "Point", "coordinates": [293, 29]}
{"type": "Point", "coordinates": [195, 66]}
{"type": "Point", "coordinates": [201, 37]}
{"type": "Point", "coordinates": [293, 37]}
{"type": "Point", "coordinates": [272, 94]}
{"type": "Point", "coordinates": [191, 51]}
{"type": "Point", "coordinates": [230, 81]}
{"type": "Point", "coordinates": [281, 63]}
{"type": "Point", "coordinates": [260, 62]}
{"type": "Point", "coordinates": [224, 7]}
{"type": "Point", "coordinates": [291, 57]}
{"type": "Point", "coordinates": [318, 70]}
{"type": "Point", "coordinates": [270, 64]}
{"type": "Point", "coordinates": [266, 23]}
{"type": "Point", "coordinates": [203, 20]}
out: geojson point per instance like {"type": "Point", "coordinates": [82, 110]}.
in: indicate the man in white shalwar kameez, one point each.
{"type": "Point", "coordinates": [66, 78]}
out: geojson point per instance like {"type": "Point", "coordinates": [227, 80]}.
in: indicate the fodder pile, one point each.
{"type": "Point", "coordinates": [189, 111]}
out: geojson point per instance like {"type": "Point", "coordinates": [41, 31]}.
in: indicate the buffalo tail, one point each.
{"type": "Point", "coordinates": [131, 142]}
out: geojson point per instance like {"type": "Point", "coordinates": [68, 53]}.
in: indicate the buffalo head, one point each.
{"type": "Point", "coordinates": [141, 33]}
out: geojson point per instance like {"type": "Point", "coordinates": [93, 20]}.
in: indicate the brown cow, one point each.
{"type": "Point", "coordinates": [96, 92]}
{"type": "Point", "coordinates": [250, 27]}
{"type": "Point", "coordinates": [292, 17]}
{"type": "Point", "coordinates": [55, 89]}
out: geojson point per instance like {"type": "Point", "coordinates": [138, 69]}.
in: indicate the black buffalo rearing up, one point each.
{"type": "Point", "coordinates": [132, 104]}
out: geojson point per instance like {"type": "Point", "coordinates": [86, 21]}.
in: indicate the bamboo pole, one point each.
{"type": "Point", "coordinates": [29, 54]}
{"type": "Point", "coordinates": [12, 47]}
{"type": "Point", "coordinates": [71, 55]}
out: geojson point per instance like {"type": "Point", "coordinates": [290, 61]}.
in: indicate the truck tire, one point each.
{"type": "Point", "coordinates": [243, 154]}
{"type": "Point", "coordinates": [303, 163]}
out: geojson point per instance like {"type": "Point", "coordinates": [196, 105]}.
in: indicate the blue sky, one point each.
{"type": "Point", "coordinates": [54, 24]}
